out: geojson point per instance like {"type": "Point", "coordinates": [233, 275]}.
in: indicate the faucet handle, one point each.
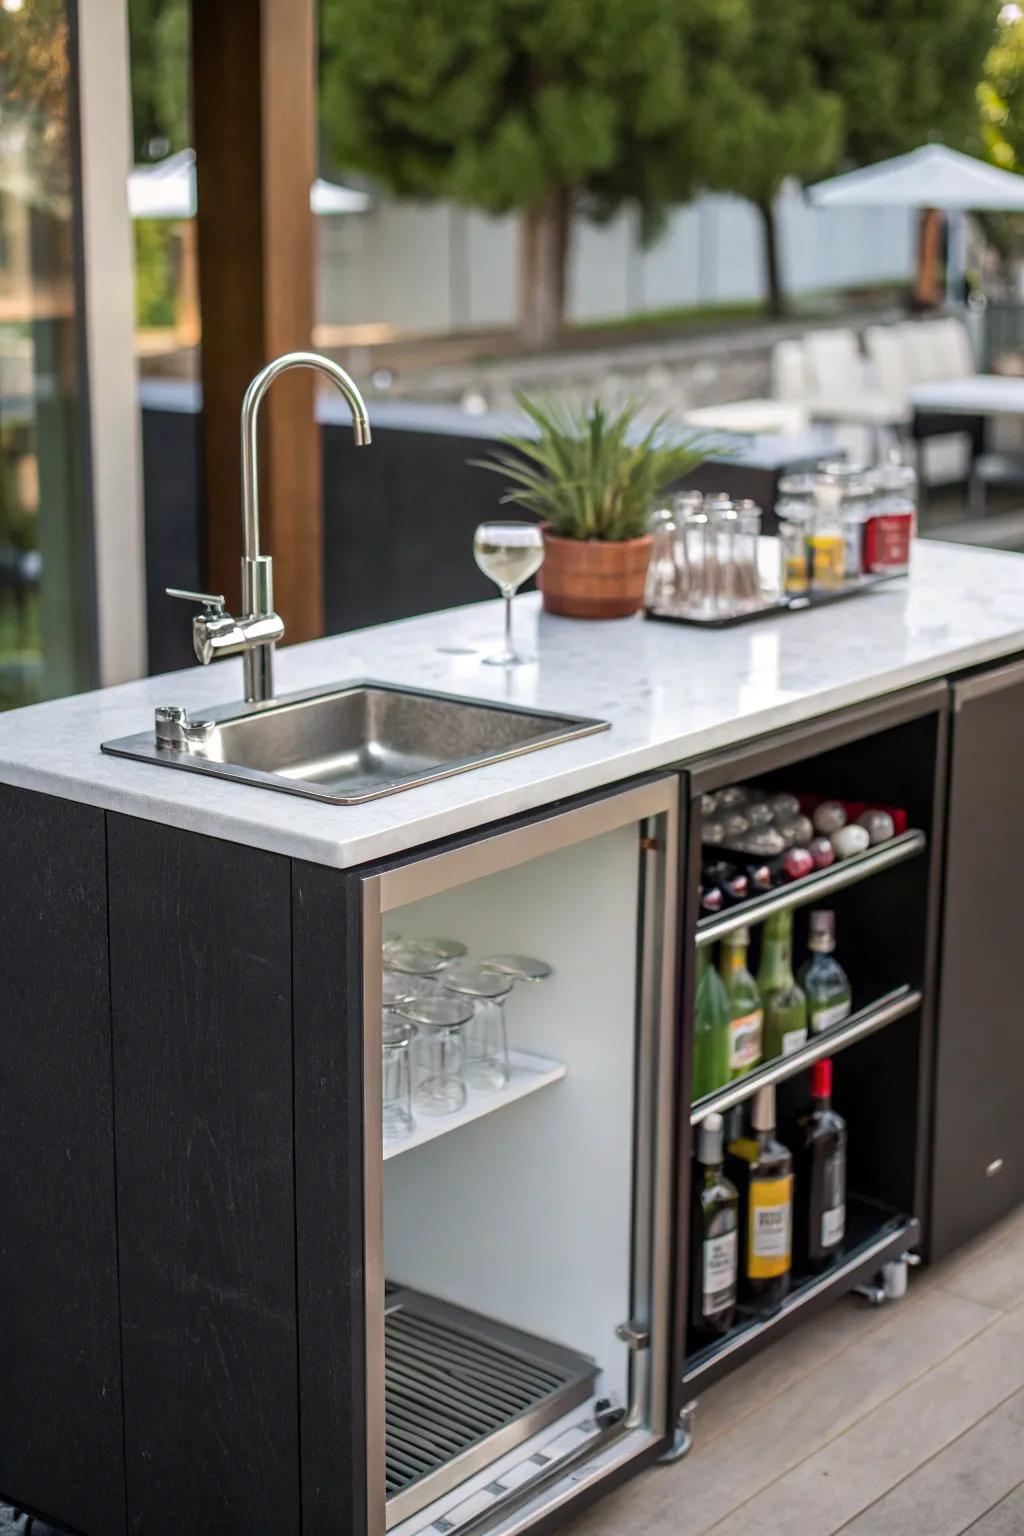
{"type": "Point", "coordinates": [213, 603]}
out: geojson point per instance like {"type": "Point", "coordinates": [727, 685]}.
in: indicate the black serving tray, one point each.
{"type": "Point", "coordinates": [794, 604]}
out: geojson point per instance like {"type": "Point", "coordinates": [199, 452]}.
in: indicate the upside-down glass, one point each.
{"type": "Point", "coordinates": [509, 553]}
{"type": "Point", "coordinates": [486, 1033]}
{"type": "Point", "coordinates": [397, 987]}
{"type": "Point", "coordinates": [396, 1105]}
{"type": "Point", "coordinates": [438, 1052]}
{"type": "Point", "coordinates": [410, 959]}
{"type": "Point", "coordinates": [519, 967]}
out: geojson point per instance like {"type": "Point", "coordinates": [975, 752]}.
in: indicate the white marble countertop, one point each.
{"type": "Point", "coordinates": [671, 693]}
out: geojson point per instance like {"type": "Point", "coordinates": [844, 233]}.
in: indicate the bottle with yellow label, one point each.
{"type": "Point", "coordinates": [767, 1228]}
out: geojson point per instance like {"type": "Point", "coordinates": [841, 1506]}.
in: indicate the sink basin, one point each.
{"type": "Point", "coordinates": [358, 742]}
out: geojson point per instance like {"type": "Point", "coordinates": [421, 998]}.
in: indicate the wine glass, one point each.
{"type": "Point", "coordinates": [509, 553]}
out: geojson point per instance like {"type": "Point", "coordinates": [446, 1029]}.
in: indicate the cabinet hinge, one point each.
{"type": "Point", "coordinates": [650, 844]}
{"type": "Point", "coordinates": [634, 1335]}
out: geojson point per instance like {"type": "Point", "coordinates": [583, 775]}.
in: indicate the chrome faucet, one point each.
{"type": "Point", "coordinates": [215, 632]}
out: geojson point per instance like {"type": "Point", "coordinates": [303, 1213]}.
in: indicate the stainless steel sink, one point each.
{"type": "Point", "coordinates": [354, 743]}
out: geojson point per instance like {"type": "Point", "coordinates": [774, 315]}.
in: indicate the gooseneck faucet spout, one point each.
{"type": "Point", "coordinates": [257, 568]}
{"type": "Point", "coordinates": [214, 632]}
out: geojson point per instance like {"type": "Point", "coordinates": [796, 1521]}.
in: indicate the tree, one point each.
{"type": "Point", "coordinates": [1001, 95]}
{"type": "Point", "coordinates": [774, 119]}
{"type": "Point", "coordinates": [545, 107]}
{"type": "Point", "coordinates": [1001, 128]}
{"type": "Point", "coordinates": [160, 70]}
{"type": "Point", "coordinates": [905, 69]}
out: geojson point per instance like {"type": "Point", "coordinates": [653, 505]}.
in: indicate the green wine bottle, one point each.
{"type": "Point", "coordinates": [785, 1004]}
{"type": "Point", "coordinates": [710, 1028]}
{"type": "Point", "coordinates": [746, 1015]}
{"type": "Point", "coordinates": [829, 994]}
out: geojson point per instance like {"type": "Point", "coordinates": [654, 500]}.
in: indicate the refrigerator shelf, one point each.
{"type": "Point", "coordinates": [462, 1390]}
{"type": "Point", "coordinates": [861, 866]}
{"type": "Point", "coordinates": [885, 1010]}
{"type": "Point", "coordinates": [528, 1073]}
{"type": "Point", "coordinates": [875, 1234]}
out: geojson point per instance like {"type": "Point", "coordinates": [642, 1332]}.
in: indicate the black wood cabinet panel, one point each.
{"type": "Point", "coordinates": [327, 957]}
{"type": "Point", "coordinates": [978, 1160]}
{"type": "Point", "coordinates": [200, 944]}
{"type": "Point", "coordinates": [60, 1367]}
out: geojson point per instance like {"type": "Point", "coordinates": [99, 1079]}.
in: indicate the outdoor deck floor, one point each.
{"type": "Point", "coordinates": [901, 1420]}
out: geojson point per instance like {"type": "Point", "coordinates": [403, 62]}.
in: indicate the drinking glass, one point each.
{"type": "Point", "coordinates": [397, 987]}
{"type": "Point", "coordinates": [438, 1052]}
{"type": "Point", "coordinates": [486, 1033]}
{"type": "Point", "coordinates": [518, 967]}
{"type": "Point", "coordinates": [396, 1106]}
{"type": "Point", "coordinates": [509, 553]}
{"type": "Point", "coordinates": [411, 959]}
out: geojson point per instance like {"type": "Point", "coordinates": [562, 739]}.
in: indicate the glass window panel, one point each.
{"type": "Point", "coordinates": [45, 571]}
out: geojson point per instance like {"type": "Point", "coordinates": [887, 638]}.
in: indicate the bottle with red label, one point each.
{"type": "Point", "coordinates": [889, 530]}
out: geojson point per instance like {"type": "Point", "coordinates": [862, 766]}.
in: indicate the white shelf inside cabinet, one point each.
{"type": "Point", "coordinates": [527, 1074]}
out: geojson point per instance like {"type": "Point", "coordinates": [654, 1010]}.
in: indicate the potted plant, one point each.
{"type": "Point", "coordinates": [592, 478]}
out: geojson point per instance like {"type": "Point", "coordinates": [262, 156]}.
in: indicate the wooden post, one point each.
{"type": "Point", "coordinates": [254, 108]}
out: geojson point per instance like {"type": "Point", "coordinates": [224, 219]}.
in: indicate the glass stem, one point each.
{"type": "Point", "coordinates": [508, 594]}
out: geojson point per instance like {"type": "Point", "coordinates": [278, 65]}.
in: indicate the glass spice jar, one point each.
{"type": "Point", "coordinates": [828, 540]}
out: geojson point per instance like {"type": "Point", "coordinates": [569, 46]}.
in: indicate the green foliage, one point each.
{"type": "Point", "coordinates": [905, 69]}
{"type": "Point", "coordinates": [154, 273]}
{"type": "Point", "coordinates": [1001, 97]}
{"type": "Point", "coordinates": [497, 104]}
{"type": "Point", "coordinates": [774, 117]}
{"type": "Point", "coordinates": [586, 472]}
{"type": "Point", "coordinates": [160, 74]}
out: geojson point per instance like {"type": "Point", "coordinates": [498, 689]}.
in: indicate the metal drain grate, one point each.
{"type": "Point", "coordinates": [462, 1390]}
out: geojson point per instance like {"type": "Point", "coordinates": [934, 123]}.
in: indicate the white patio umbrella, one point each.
{"type": "Point", "coordinates": [167, 190]}
{"type": "Point", "coordinates": [929, 177]}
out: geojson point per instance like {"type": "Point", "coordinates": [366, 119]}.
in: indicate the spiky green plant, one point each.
{"type": "Point", "coordinates": [587, 472]}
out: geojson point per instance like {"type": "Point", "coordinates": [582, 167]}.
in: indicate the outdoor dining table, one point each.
{"type": "Point", "coordinates": [972, 401]}
{"type": "Point", "coordinates": [978, 394]}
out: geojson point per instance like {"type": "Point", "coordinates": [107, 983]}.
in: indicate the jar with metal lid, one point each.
{"type": "Point", "coordinates": [890, 528]}
{"type": "Point", "coordinates": [794, 512]}
{"type": "Point", "coordinates": [827, 535]}
{"type": "Point", "coordinates": [857, 501]}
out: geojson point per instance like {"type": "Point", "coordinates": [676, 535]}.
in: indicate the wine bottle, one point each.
{"type": "Point", "coordinates": [820, 1217]}
{"type": "Point", "coordinates": [746, 1015]}
{"type": "Point", "coordinates": [785, 1005]}
{"type": "Point", "coordinates": [829, 994]}
{"type": "Point", "coordinates": [711, 1016]}
{"type": "Point", "coordinates": [767, 1172]}
{"type": "Point", "coordinates": [714, 1224]}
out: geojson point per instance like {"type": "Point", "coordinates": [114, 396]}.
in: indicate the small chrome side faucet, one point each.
{"type": "Point", "coordinates": [215, 632]}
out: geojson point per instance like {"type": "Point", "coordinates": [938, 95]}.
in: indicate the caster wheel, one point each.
{"type": "Point", "coordinates": [682, 1437]}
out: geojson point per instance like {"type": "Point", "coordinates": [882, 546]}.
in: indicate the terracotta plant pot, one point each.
{"type": "Point", "coordinates": [590, 579]}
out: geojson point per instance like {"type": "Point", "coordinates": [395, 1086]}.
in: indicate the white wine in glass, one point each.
{"type": "Point", "coordinates": [509, 553]}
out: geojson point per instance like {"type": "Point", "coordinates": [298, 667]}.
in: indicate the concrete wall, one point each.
{"type": "Point", "coordinates": [433, 267]}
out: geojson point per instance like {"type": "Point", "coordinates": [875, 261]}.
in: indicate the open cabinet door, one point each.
{"type": "Point", "coordinates": [484, 1304]}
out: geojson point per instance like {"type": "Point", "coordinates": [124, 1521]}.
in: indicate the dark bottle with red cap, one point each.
{"type": "Point", "coordinates": [820, 1213]}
